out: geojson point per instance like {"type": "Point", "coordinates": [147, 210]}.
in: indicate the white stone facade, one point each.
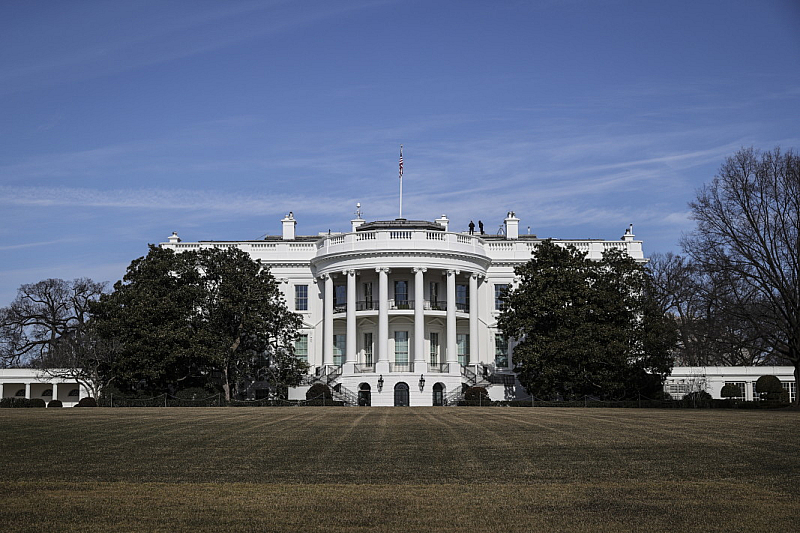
{"type": "Point", "coordinates": [403, 309]}
{"type": "Point", "coordinates": [31, 383]}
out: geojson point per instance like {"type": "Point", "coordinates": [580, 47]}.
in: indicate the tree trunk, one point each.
{"type": "Point", "coordinates": [226, 386]}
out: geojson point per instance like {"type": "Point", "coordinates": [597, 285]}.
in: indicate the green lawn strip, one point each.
{"type": "Point", "coordinates": [630, 506]}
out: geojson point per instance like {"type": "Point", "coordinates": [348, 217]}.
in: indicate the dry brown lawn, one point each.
{"type": "Point", "coordinates": [390, 469]}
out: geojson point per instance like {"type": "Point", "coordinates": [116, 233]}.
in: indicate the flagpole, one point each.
{"type": "Point", "coordinates": [401, 181]}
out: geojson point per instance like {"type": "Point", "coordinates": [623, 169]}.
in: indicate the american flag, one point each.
{"type": "Point", "coordinates": [401, 161]}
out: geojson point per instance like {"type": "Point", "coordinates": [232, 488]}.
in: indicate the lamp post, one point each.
{"type": "Point", "coordinates": [421, 382]}
{"type": "Point", "coordinates": [380, 383]}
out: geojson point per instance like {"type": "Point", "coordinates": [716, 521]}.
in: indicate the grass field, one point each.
{"type": "Point", "coordinates": [351, 469]}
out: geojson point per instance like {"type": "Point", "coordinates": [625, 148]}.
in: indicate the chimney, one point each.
{"type": "Point", "coordinates": [443, 221]}
{"type": "Point", "coordinates": [628, 234]}
{"type": "Point", "coordinates": [512, 226]}
{"type": "Point", "coordinates": [289, 224]}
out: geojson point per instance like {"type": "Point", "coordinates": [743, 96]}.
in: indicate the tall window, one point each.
{"type": "Point", "coordinates": [368, 348]}
{"type": "Point", "coordinates": [433, 294]}
{"type": "Point", "coordinates": [500, 351]}
{"type": "Point", "coordinates": [401, 347]}
{"type": "Point", "coordinates": [301, 297]}
{"type": "Point", "coordinates": [368, 303]}
{"type": "Point", "coordinates": [462, 297]}
{"type": "Point", "coordinates": [462, 348]}
{"type": "Point", "coordinates": [791, 388]}
{"type": "Point", "coordinates": [301, 347]}
{"type": "Point", "coordinates": [401, 293]}
{"type": "Point", "coordinates": [339, 297]}
{"type": "Point", "coordinates": [434, 348]}
{"type": "Point", "coordinates": [499, 295]}
{"type": "Point", "coordinates": [339, 347]}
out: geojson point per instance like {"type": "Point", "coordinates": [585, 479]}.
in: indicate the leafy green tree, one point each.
{"type": "Point", "coordinates": [586, 327]}
{"type": "Point", "coordinates": [245, 327]}
{"type": "Point", "coordinates": [181, 318]}
{"type": "Point", "coordinates": [153, 314]}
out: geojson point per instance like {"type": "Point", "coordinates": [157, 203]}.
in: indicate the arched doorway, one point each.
{"type": "Point", "coordinates": [438, 394]}
{"type": "Point", "coordinates": [364, 395]}
{"type": "Point", "coordinates": [401, 395]}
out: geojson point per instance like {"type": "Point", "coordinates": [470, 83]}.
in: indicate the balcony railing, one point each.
{"type": "Point", "coordinates": [401, 304]}
{"type": "Point", "coordinates": [442, 368]}
{"type": "Point", "coordinates": [365, 367]}
{"type": "Point", "coordinates": [401, 367]}
{"type": "Point", "coordinates": [367, 305]}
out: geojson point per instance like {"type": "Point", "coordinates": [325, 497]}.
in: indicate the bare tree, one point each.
{"type": "Point", "coordinates": [708, 334]}
{"type": "Point", "coordinates": [748, 234]}
{"type": "Point", "coordinates": [41, 314]}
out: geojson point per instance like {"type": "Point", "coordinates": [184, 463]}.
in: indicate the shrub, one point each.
{"type": "Point", "coordinates": [87, 402]}
{"type": "Point", "coordinates": [769, 387]}
{"type": "Point", "coordinates": [55, 403]}
{"type": "Point", "coordinates": [476, 396]}
{"type": "Point", "coordinates": [318, 391]}
{"type": "Point", "coordinates": [731, 391]}
{"type": "Point", "coordinates": [697, 399]}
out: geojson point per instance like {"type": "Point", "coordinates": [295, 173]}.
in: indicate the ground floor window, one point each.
{"type": "Point", "coordinates": [339, 348]}
{"type": "Point", "coordinates": [301, 347]}
{"type": "Point", "coordinates": [401, 395]}
{"type": "Point", "coordinates": [364, 395]}
{"type": "Point", "coordinates": [500, 351]}
{"type": "Point", "coordinates": [791, 388]}
{"type": "Point", "coordinates": [462, 348]}
{"type": "Point", "coordinates": [739, 385]}
{"type": "Point", "coordinates": [438, 394]}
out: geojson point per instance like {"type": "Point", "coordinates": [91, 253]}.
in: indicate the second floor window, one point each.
{"type": "Point", "coordinates": [301, 297]}
{"type": "Point", "coordinates": [434, 348]}
{"type": "Point", "coordinates": [339, 297]}
{"type": "Point", "coordinates": [462, 297]}
{"type": "Point", "coordinates": [401, 293]}
{"type": "Point", "coordinates": [500, 296]}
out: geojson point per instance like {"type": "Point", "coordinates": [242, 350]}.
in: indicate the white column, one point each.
{"type": "Point", "coordinates": [55, 392]}
{"type": "Point", "coordinates": [327, 343]}
{"type": "Point", "coordinates": [452, 353]}
{"type": "Point", "coordinates": [350, 350]}
{"type": "Point", "coordinates": [473, 319]}
{"type": "Point", "coordinates": [28, 391]}
{"type": "Point", "coordinates": [420, 362]}
{"type": "Point", "coordinates": [382, 365]}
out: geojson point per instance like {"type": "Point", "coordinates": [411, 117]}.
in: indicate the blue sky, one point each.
{"type": "Point", "coordinates": [125, 121]}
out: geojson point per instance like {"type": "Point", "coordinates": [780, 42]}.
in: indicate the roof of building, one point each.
{"type": "Point", "coordinates": [400, 223]}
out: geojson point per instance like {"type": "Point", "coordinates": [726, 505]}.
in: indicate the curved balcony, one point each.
{"type": "Point", "coordinates": [393, 241]}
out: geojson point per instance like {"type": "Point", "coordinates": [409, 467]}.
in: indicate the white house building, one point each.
{"type": "Point", "coordinates": [402, 312]}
